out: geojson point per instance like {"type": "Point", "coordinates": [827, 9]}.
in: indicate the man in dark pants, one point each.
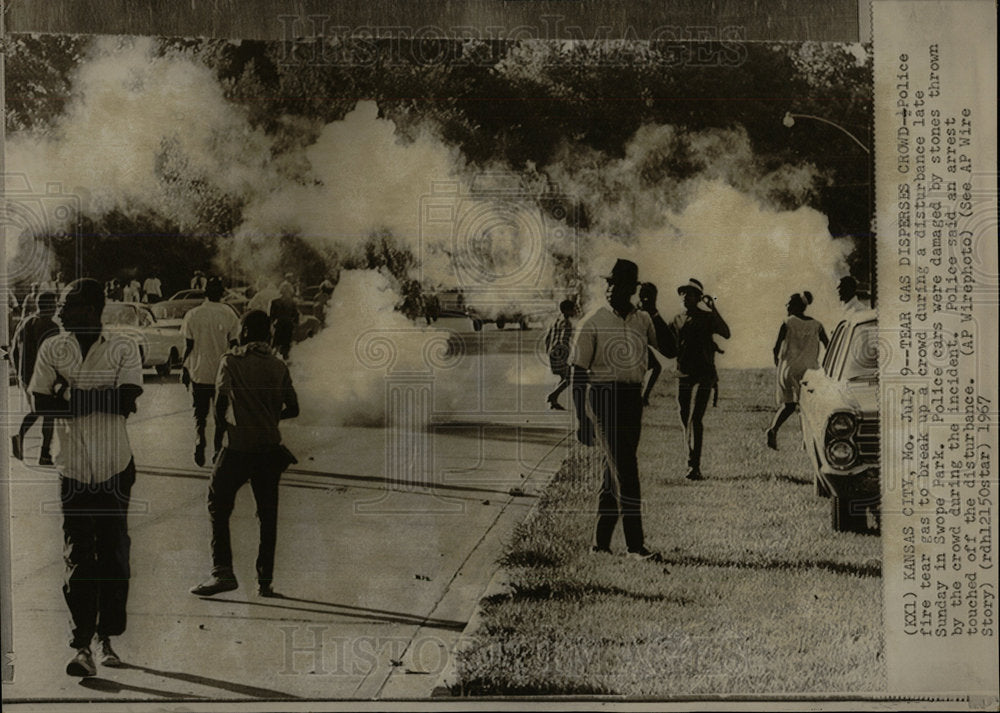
{"type": "Point", "coordinates": [285, 316]}
{"type": "Point", "coordinates": [609, 358]}
{"type": "Point", "coordinates": [209, 330]}
{"type": "Point", "coordinates": [257, 385]}
{"type": "Point", "coordinates": [557, 344]}
{"type": "Point", "coordinates": [691, 338]}
{"type": "Point", "coordinates": [647, 303]}
{"type": "Point", "coordinates": [90, 382]}
{"type": "Point", "coordinates": [29, 336]}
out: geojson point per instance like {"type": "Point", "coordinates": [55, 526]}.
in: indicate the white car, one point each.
{"type": "Point", "coordinates": [840, 423]}
{"type": "Point", "coordinates": [161, 347]}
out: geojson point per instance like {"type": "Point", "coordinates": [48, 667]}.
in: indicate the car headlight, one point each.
{"type": "Point", "coordinates": [842, 425]}
{"type": "Point", "coordinates": [841, 453]}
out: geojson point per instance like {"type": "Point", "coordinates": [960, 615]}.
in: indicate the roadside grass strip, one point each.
{"type": "Point", "coordinates": [756, 595]}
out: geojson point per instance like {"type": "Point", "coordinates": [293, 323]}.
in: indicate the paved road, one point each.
{"type": "Point", "coordinates": [378, 582]}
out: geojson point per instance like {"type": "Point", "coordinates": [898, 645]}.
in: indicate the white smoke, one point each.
{"type": "Point", "coordinates": [718, 223]}
{"type": "Point", "coordinates": [147, 132]}
{"type": "Point", "coordinates": [345, 372]}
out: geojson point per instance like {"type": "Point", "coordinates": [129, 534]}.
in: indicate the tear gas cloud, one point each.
{"type": "Point", "coordinates": [342, 371]}
{"type": "Point", "coordinates": [156, 133]}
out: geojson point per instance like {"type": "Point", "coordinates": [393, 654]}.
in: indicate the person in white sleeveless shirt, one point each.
{"type": "Point", "coordinates": [209, 330]}
{"type": "Point", "coordinates": [795, 352]}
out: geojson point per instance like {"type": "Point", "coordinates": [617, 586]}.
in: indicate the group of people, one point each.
{"type": "Point", "coordinates": [84, 383]}
{"type": "Point", "coordinates": [610, 362]}
{"type": "Point", "coordinates": [149, 290]}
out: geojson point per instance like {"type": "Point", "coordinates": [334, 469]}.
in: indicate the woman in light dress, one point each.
{"type": "Point", "coordinates": [795, 352]}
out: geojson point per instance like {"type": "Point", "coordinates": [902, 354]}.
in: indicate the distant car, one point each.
{"type": "Point", "coordinates": [235, 296]}
{"type": "Point", "coordinates": [170, 314]}
{"type": "Point", "coordinates": [840, 423]}
{"type": "Point", "coordinates": [502, 319]}
{"type": "Point", "coordinates": [161, 347]}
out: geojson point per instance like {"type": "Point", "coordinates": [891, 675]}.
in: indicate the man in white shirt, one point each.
{"type": "Point", "coordinates": [609, 358]}
{"type": "Point", "coordinates": [90, 382]}
{"type": "Point", "coordinates": [152, 289]}
{"type": "Point", "coordinates": [209, 330]}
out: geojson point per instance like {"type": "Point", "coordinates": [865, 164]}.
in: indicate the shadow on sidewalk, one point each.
{"type": "Point", "coordinates": [379, 615]}
{"type": "Point", "coordinates": [105, 685]}
{"type": "Point", "coordinates": [237, 688]}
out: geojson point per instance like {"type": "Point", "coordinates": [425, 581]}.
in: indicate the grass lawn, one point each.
{"type": "Point", "coordinates": [757, 595]}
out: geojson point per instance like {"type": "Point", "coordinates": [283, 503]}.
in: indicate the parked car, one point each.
{"type": "Point", "coordinates": [161, 347]}
{"type": "Point", "coordinates": [170, 315]}
{"type": "Point", "coordinates": [501, 319]}
{"type": "Point", "coordinates": [235, 296]}
{"type": "Point", "coordinates": [840, 423]}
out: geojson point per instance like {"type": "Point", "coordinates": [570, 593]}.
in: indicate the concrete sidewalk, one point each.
{"type": "Point", "coordinates": [377, 584]}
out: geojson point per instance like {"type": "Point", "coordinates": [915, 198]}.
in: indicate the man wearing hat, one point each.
{"type": "Point", "coordinates": [609, 358]}
{"type": "Point", "coordinates": [691, 339]}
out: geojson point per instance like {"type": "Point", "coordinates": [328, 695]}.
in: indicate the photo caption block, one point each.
{"type": "Point", "coordinates": [935, 122]}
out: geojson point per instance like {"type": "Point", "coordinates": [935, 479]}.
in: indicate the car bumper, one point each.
{"type": "Point", "coordinates": [862, 485]}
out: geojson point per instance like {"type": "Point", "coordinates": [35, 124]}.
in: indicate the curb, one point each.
{"type": "Point", "coordinates": [448, 684]}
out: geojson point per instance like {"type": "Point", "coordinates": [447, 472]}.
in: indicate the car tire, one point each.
{"type": "Point", "coordinates": [844, 519]}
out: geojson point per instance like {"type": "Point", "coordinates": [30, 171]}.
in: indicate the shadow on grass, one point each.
{"type": "Point", "coordinates": [482, 687]}
{"type": "Point", "coordinates": [870, 569]}
{"type": "Point", "coordinates": [531, 558]}
{"type": "Point", "coordinates": [572, 591]}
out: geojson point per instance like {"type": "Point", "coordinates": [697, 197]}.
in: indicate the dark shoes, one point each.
{"type": "Point", "coordinates": [199, 455]}
{"type": "Point", "coordinates": [595, 550]}
{"type": "Point", "coordinates": [555, 405]}
{"type": "Point", "coordinates": [106, 655]}
{"type": "Point", "coordinates": [82, 664]}
{"type": "Point", "coordinates": [694, 474]}
{"type": "Point", "coordinates": [45, 459]}
{"type": "Point", "coordinates": [644, 555]}
{"type": "Point", "coordinates": [772, 439]}
{"type": "Point", "coordinates": [266, 590]}
{"type": "Point", "coordinates": [17, 446]}
{"type": "Point", "coordinates": [215, 585]}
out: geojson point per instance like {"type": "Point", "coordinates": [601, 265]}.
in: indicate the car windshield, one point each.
{"type": "Point", "coordinates": [862, 356]}
{"type": "Point", "coordinates": [172, 310]}
{"type": "Point", "coordinates": [120, 314]}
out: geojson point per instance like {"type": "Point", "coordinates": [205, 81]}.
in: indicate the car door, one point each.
{"type": "Point", "coordinates": [815, 392]}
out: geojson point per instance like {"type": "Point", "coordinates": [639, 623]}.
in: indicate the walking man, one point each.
{"type": "Point", "coordinates": [691, 338]}
{"type": "Point", "coordinates": [27, 339]}
{"type": "Point", "coordinates": [90, 382]}
{"type": "Point", "coordinates": [285, 316]}
{"type": "Point", "coordinates": [647, 303]}
{"type": "Point", "coordinates": [209, 330]}
{"type": "Point", "coordinates": [258, 387]}
{"type": "Point", "coordinates": [557, 345]}
{"type": "Point", "coordinates": [152, 289]}
{"type": "Point", "coordinates": [609, 357]}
